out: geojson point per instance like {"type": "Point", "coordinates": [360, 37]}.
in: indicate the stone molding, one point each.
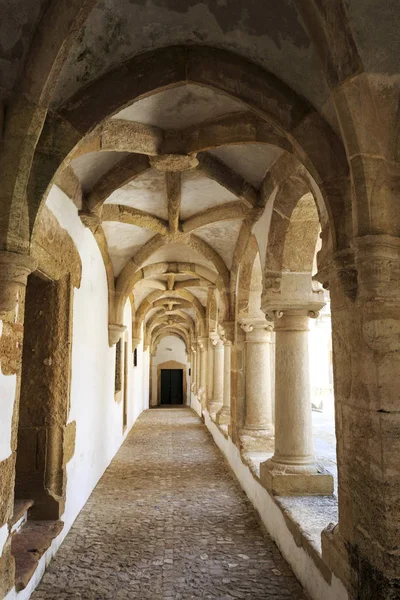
{"type": "Point", "coordinates": [115, 333]}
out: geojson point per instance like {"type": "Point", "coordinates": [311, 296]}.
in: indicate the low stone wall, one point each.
{"type": "Point", "coordinates": [305, 560]}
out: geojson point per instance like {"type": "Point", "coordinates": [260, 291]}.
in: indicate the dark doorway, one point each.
{"type": "Point", "coordinates": [171, 386]}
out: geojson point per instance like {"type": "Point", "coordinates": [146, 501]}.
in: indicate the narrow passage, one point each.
{"type": "Point", "coordinates": [168, 520]}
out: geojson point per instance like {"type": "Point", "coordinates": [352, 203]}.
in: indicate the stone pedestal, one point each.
{"type": "Point", "coordinates": [218, 382]}
{"type": "Point", "coordinates": [224, 414]}
{"type": "Point", "coordinates": [258, 431]}
{"type": "Point", "coordinates": [293, 470]}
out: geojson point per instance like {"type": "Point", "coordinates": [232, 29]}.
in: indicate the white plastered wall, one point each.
{"type": "Point", "coordinates": [169, 348]}
{"type": "Point", "coordinates": [99, 426]}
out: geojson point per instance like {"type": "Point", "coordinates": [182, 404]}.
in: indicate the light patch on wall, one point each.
{"type": "Point", "coordinates": [8, 386]}
{"type": "Point", "coordinates": [3, 537]}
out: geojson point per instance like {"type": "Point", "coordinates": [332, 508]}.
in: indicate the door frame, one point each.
{"type": "Point", "coordinates": [172, 364]}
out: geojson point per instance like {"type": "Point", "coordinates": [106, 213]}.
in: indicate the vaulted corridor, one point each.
{"type": "Point", "coordinates": [168, 520]}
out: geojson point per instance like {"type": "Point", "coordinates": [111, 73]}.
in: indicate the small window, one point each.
{"type": "Point", "coordinates": [135, 357]}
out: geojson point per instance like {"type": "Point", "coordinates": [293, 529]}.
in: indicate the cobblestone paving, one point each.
{"type": "Point", "coordinates": [168, 521]}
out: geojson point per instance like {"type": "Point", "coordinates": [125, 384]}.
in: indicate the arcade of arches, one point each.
{"type": "Point", "coordinates": [193, 186]}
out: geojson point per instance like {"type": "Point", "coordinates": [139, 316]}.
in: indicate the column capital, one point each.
{"type": "Point", "coordinates": [293, 319]}
{"type": "Point", "coordinates": [115, 333]}
{"type": "Point", "coordinates": [14, 271]}
{"type": "Point", "coordinates": [256, 329]}
{"type": "Point", "coordinates": [215, 339]}
{"type": "Point", "coordinates": [228, 330]}
{"type": "Point", "coordinates": [202, 343]}
{"type": "Point", "coordinates": [274, 313]}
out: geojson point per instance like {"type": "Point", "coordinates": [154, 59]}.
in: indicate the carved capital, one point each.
{"type": "Point", "coordinates": [256, 329]}
{"type": "Point", "coordinates": [14, 271]}
{"type": "Point", "coordinates": [217, 342]}
{"type": "Point", "coordinates": [115, 332]}
{"type": "Point", "coordinates": [202, 344]}
{"type": "Point", "coordinates": [228, 331]}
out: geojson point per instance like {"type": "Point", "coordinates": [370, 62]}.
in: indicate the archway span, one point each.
{"type": "Point", "coordinates": [219, 69]}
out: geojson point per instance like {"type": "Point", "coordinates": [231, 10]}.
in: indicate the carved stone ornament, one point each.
{"type": "Point", "coordinates": [249, 324]}
{"type": "Point", "coordinates": [115, 333]}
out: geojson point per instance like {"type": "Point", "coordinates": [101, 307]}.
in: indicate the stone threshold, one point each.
{"type": "Point", "coordinates": [294, 523]}
{"type": "Point", "coordinates": [29, 545]}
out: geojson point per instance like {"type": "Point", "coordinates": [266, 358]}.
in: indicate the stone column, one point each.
{"type": "Point", "coordinates": [218, 383]}
{"type": "Point", "coordinates": [193, 371]}
{"type": "Point", "coordinates": [258, 430]}
{"type": "Point", "coordinates": [292, 469]}
{"type": "Point", "coordinates": [223, 416]}
{"type": "Point", "coordinates": [203, 371]}
{"type": "Point", "coordinates": [198, 366]}
{"type": "Point", "coordinates": [210, 373]}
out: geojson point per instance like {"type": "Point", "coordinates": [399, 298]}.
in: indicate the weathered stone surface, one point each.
{"type": "Point", "coordinates": [29, 545]}
{"type": "Point", "coordinates": [161, 526]}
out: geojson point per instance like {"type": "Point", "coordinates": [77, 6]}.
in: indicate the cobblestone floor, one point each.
{"type": "Point", "coordinates": [168, 521]}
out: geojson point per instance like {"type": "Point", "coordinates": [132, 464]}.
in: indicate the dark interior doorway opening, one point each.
{"type": "Point", "coordinates": [171, 386]}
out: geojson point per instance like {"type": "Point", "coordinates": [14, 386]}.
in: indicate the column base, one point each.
{"type": "Point", "coordinates": [213, 408]}
{"type": "Point", "coordinates": [223, 416]}
{"type": "Point", "coordinates": [257, 440]}
{"type": "Point", "coordinates": [295, 480]}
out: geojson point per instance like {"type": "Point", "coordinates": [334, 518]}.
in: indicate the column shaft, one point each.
{"type": "Point", "coordinates": [292, 469]}
{"type": "Point", "coordinates": [224, 414]}
{"type": "Point", "coordinates": [203, 373]}
{"type": "Point", "coordinates": [258, 431]}
{"type": "Point", "coordinates": [218, 384]}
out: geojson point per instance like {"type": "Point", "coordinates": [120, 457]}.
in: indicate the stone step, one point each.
{"type": "Point", "coordinates": [29, 545]}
